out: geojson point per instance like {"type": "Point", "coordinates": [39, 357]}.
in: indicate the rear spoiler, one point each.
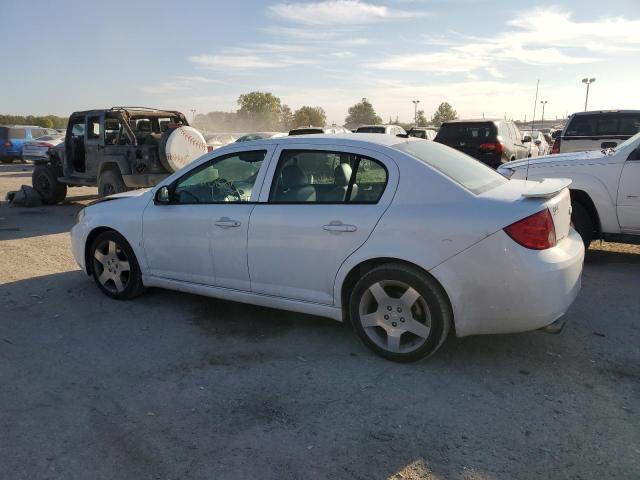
{"type": "Point", "coordinates": [547, 188]}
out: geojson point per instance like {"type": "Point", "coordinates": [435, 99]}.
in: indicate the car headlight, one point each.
{"type": "Point", "coordinates": [79, 215]}
{"type": "Point", "coordinates": [506, 171]}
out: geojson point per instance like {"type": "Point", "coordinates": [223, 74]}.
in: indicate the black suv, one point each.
{"type": "Point", "coordinates": [493, 142]}
{"type": "Point", "coordinates": [114, 149]}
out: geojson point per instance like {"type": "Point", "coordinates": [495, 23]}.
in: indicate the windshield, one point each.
{"type": "Point", "coordinates": [462, 169]}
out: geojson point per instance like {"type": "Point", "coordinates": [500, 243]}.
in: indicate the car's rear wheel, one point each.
{"type": "Point", "coordinates": [400, 312]}
{"type": "Point", "coordinates": [114, 266]}
{"type": "Point", "coordinates": [110, 183]}
{"type": "Point", "coordinates": [45, 181]}
{"type": "Point", "coordinates": [582, 222]}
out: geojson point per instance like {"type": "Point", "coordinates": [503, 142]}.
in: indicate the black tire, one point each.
{"type": "Point", "coordinates": [110, 182]}
{"type": "Point", "coordinates": [435, 306]}
{"type": "Point", "coordinates": [582, 222]}
{"type": "Point", "coordinates": [122, 252]}
{"type": "Point", "coordinates": [6, 160]}
{"type": "Point", "coordinates": [45, 181]}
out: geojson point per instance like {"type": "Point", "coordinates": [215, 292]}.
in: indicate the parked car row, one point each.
{"type": "Point", "coordinates": [13, 138]}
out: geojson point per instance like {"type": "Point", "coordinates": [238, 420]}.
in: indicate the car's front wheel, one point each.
{"type": "Point", "coordinates": [114, 266]}
{"type": "Point", "coordinates": [400, 312]}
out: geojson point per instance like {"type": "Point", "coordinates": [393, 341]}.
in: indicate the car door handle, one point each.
{"type": "Point", "coordinates": [339, 227]}
{"type": "Point", "coordinates": [227, 223]}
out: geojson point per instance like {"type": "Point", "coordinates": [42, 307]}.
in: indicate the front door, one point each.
{"type": "Point", "coordinates": [629, 194]}
{"type": "Point", "coordinates": [201, 235]}
{"type": "Point", "coordinates": [94, 144]}
{"type": "Point", "coordinates": [321, 206]}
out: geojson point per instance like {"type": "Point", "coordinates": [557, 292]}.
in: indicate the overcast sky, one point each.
{"type": "Point", "coordinates": [481, 56]}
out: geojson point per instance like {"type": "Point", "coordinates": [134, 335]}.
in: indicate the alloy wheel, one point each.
{"type": "Point", "coordinates": [112, 267]}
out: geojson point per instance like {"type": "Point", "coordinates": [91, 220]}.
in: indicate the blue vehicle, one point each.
{"type": "Point", "coordinates": [12, 138]}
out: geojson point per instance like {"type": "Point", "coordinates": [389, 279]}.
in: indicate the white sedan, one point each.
{"type": "Point", "coordinates": [406, 239]}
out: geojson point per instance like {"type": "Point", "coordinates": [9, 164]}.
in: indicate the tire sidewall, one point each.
{"type": "Point", "coordinates": [57, 191]}
{"type": "Point", "coordinates": [135, 280]}
{"type": "Point", "coordinates": [113, 178]}
{"type": "Point", "coordinates": [438, 310]}
{"type": "Point", "coordinates": [582, 223]}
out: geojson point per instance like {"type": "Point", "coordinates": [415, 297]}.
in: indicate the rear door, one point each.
{"type": "Point", "coordinates": [94, 144]}
{"type": "Point", "coordinates": [629, 194]}
{"type": "Point", "coordinates": [317, 207]}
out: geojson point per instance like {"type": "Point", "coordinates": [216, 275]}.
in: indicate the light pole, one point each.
{"type": "Point", "coordinates": [543, 102]}
{"type": "Point", "coordinates": [588, 81]}
{"type": "Point", "coordinates": [193, 114]}
{"type": "Point", "coordinates": [415, 112]}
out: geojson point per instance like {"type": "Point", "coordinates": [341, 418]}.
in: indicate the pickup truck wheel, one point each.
{"type": "Point", "coordinates": [110, 182]}
{"type": "Point", "coordinates": [45, 181]}
{"type": "Point", "coordinates": [582, 222]}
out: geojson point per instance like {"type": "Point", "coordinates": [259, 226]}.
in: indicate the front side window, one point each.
{"type": "Point", "coordinates": [230, 178]}
{"type": "Point", "coordinates": [314, 176]}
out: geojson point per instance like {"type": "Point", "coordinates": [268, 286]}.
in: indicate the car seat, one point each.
{"type": "Point", "coordinates": [295, 186]}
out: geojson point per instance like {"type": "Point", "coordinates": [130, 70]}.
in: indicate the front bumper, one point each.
{"type": "Point", "coordinates": [498, 286]}
{"type": "Point", "coordinates": [79, 234]}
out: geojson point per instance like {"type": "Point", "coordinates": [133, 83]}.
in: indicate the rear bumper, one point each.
{"type": "Point", "coordinates": [498, 286]}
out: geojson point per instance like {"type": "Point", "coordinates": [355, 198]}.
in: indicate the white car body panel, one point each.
{"type": "Point", "coordinates": [612, 181]}
{"type": "Point", "coordinates": [294, 264]}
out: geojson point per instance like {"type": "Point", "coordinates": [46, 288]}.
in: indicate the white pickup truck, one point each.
{"type": "Point", "coordinates": [605, 188]}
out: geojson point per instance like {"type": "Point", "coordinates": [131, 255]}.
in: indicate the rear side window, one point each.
{"type": "Point", "coordinates": [93, 128]}
{"type": "Point", "coordinates": [38, 132]}
{"type": "Point", "coordinates": [315, 176]}
{"type": "Point", "coordinates": [603, 124]}
{"type": "Point", "coordinates": [475, 132]}
{"type": "Point", "coordinates": [462, 169]}
{"type": "Point", "coordinates": [17, 133]}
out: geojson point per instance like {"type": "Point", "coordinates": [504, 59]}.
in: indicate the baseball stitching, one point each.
{"type": "Point", "coordinates": [193, 141]}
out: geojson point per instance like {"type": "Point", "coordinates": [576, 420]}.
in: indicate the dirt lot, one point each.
{"type": "Point", "coordinates": [173, 386]}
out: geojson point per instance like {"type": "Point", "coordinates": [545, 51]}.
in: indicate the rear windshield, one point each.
{"type": "Point", "coordinates": [306, 131]}
{"type": "Point", "coordinates": [462, 169]}
{"type": "Point", "coordinates": [371, 130]}
{"type": "Point", "coordinates": [17, 133]}
{"type": "Point", "coordinates": [603, 124]}
{"type": "Point", "coordinates": [472, 132]}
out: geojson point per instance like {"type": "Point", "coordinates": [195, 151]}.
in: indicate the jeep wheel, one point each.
{"type": "Point", "coordinates": [45, 181]}
{"type": "Point", "coordinates": [110, 183]}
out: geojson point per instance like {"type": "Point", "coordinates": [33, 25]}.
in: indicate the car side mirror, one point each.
{"type": "Point", "coordinates": [163, 197]}
{"type": "Point", "coordinates": [526, 139]}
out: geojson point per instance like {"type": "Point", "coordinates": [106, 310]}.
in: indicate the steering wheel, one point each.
{"type": "Point", "coordinates": [224, 189]}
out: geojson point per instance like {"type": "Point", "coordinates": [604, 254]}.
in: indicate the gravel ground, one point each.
{"type": "Point", "coordinates": [174, 386]}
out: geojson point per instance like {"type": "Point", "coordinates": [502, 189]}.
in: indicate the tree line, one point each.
{"type": "Point", "coordinates": [263, 111]}
{"type": "Point", "coordinates": [46, 121]}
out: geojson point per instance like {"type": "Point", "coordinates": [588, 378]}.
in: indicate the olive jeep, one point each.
{"type": "Point", "coordinates": [117, 149]}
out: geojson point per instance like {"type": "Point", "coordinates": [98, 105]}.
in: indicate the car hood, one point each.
{"type": "Point", "coordinates": [130, 193]}
{"type": "Point", "coordinates": [558, 158]}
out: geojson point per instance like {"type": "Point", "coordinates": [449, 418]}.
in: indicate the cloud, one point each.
{"type": "Point", "coordinates": [179, 83]}
{"type": "Point", "coordinates": [338, 12]}
{"type": "Point", "coordinates": [573, 43]}
{"type": "Point", "coordinates": [235, 62]}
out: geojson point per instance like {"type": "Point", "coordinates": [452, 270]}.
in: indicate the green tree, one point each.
{"type": "Point", "coordinates": [444, 113]}
{"type": "Point", "coordinates": [421, 120]}
{"type": "Point", "coordinates": [286, 118]}
{"type": "Point", "coordinates": [306, 116]}
{"type": "Point", "coordinates": [362, 113]}
{"type": "Point", "coordinates": [259, 110]}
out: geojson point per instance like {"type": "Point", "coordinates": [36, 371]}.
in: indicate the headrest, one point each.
{"type": "Point", "coordinates": [111, 124]}
{"type": "Point", "coordinates": [293, 176]}
{"type": "Point", "coordinates": [342, 174]}
{"type": "Point", "coordinates": [144, 125]}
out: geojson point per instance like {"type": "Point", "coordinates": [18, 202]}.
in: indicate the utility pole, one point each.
{"type": "Point", "coordinates": [193, 114]}
{"type": "Point", "coordinates": [535, 105]}
{"type": "Point", "coordinates": [587, 81]}
{"type": "Point", "coordinates": [415, 112]}
{"type": "Point", "coordinates": [543, 102]}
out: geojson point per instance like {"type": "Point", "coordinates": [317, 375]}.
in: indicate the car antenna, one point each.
{"type": "Point", "coordinates": [533, 120]}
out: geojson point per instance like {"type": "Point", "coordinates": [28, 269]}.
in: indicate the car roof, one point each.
{"type": "Point", "coordinates": [476, 120]}
{"type": "Point", "coordinates": [361, 139]}
{"type": "Point", "coordinates": [25, 126]}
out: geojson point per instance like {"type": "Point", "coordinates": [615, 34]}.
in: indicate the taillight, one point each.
{"type": "Point", "coordinates": [8, 144]}
{"type": "Point", "coordinates": [556, 146]}
{"type": "Point", "coordinates": [492, 147]}
{"type": "Point", "coordinates": [536, 231]}
{"type": "Point", "coordinates": [44, 144]}
{"type": "Point", "coordinates": [209, 148]}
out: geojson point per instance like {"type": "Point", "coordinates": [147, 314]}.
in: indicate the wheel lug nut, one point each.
{"type": "Point", "coordinates": [386, 317]}
{"type": "Point", "coordinates": [399, 310]}
{"type": "Point", "coordinates": [394, 324]}
{"type": "Point", "coordinates": [402, 319]}
{"type": "Point", "coordinates": [389, 308]}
